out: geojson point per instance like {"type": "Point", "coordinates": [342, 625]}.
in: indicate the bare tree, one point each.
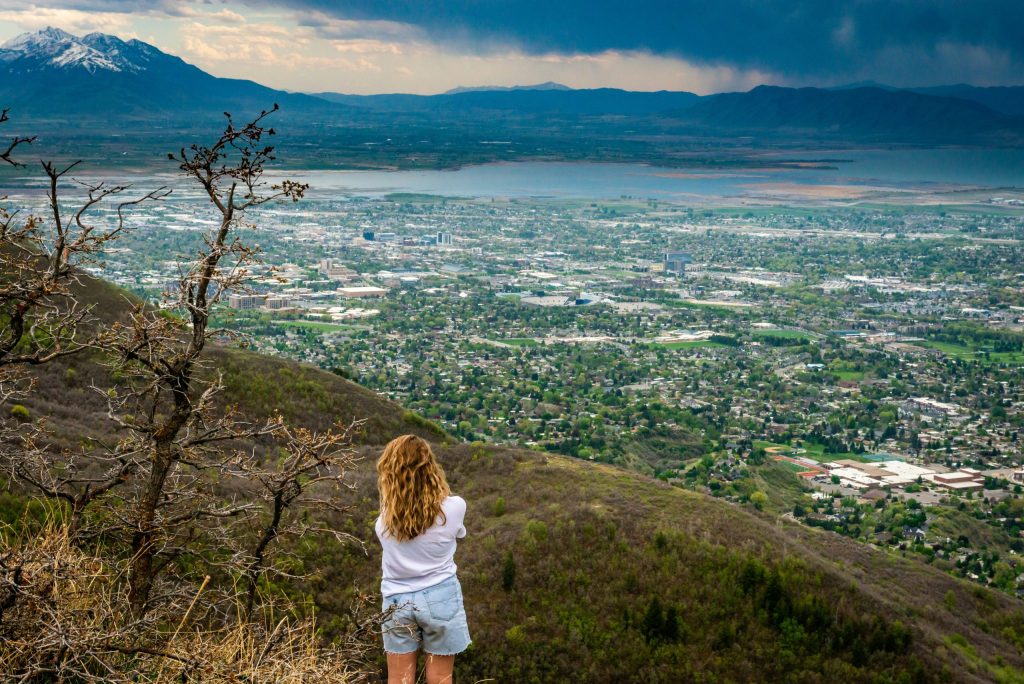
{"type": "Point", "coordinates": [307, 476]}
{"type": "Point", "coordinates": [8, 236]}
{"type": "Point", "coordinates": [41, 260]}
{"type": "Point", "coordinates": [7, 154]}
{"type": "Point", "coordinates": [200, 488]}
{"type": "Point", "coordinates": [174, 433]}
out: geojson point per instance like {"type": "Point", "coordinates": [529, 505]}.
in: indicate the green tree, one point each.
{"type": "Point", "coordinates": [508, 572]}
{"type": "Point", "coordinates": [653, 625]}
{"type": "Point", "coordinates": [670, 629]}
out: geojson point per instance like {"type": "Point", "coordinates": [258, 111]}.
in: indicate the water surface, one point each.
{"type": "Point", "coordinates": [927, 170]}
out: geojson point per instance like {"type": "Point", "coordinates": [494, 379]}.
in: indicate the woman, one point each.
{"type": "Point", "coordinates": [418, 524]}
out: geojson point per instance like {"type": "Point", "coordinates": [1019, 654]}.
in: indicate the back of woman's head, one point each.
{"type": "Point", "coordinates": [412, 487]}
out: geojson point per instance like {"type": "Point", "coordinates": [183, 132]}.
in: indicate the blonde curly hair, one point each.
{"type": "Point", "coordinates": [412, 487]}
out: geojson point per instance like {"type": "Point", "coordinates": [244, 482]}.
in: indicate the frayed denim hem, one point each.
{"type": "Point", "coordinates": [451, 654]}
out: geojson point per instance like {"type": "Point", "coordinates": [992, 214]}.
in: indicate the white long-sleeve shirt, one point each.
{"type": "Point", "coordinates": [425, 560]}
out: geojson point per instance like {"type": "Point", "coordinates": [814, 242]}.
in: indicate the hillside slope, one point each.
{"type": "Point", "coordinates": [260, 385]}
{"type": "Point", "coordinates": [755, 599]}
{"type": "Point", "coordinates": [1005, 99]}
{"type": "Point", "coordinates": [851, 114]}
{"type": "Point", "coordinates": [579, 572]}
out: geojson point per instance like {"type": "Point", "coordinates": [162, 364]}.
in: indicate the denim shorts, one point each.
{"type": "Point", "coordinates": [433, 619]}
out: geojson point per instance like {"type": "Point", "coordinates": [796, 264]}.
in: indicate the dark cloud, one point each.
{"type": "Point", "coordinates": [903, 42]}
{"type": "Point", "coordinates": [169, 7]}
{"type": "Point", "coordinates": [801, 39]}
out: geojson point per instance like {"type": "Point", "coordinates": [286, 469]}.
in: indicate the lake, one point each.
{"type": "Point", "coordinates": [852, 174]}
{"type": "Point", "coordinates": [925, 170]}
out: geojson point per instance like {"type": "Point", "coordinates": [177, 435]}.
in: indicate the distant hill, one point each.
{"type": "Point", "coordinates": [1005, 99]}
{"type": "Point", "coordinates": [547, 85]}
{"type": "Point", "coordinates": [526, 101]}
{"type": "Point", "coordinates": [863, 84]}
{"type": "Point", "coordinates": [53, 74]}
{"type": "Point", "coordinates": [858, 113]}
{"type": "Point", "coordinates": [575, 571]}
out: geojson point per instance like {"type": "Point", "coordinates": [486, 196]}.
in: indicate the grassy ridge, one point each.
{"type": "Point", "coordinates": [594, 548]}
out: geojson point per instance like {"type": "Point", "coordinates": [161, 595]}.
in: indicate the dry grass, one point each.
{"type": "Point", "coordinates": [64, 617]}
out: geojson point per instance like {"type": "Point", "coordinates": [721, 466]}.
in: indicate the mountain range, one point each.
{"type": "Point", "coordinates": [547, 85]}
{"type": "Point", "coordinates": [850, 113]}
{"type": "Point", "coordinates": [53, 78]}
{"type": "Point", "coordinates": [587, 102]}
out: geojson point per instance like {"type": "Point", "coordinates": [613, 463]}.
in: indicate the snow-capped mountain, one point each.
{"type": "Point", "coordinates": [54, 73]}
{"type": "Point", "coordinates": [47, 42]}
{"type": "Point", "coordinates": [132, 55]}
{"type": "Point", "coordinates": [55, 48]}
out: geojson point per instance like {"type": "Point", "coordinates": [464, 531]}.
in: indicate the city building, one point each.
{"type": "Point", "coordinates": [965, 480]}
{"type": "Point", "coordinates": [444, 238]}
{"type": "Point", "coordinates": [362, 291]}
{"type": "Point", "coordinates": [878, 474]}
{"type": "Point", "coordinates": [675, 262]}
{"type": "Point", "coordinates": [245, 302]}
{"type": "Point", "coordinates": [337, 272]}
{"type": "Point", "coordinates": [929, 408]}
{"type": "Point", "coordinates": [275, 303]}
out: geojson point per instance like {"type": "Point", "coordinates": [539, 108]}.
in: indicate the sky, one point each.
{"type": "Point", "coordinates": [429, 46]}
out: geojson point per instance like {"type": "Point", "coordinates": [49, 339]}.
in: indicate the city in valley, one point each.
{"type": "Point", "coordinates": [858, 368]}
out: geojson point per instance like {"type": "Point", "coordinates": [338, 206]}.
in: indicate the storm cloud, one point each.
{"type": "Point", "coordinates": [709, 44]}
{"type": "Point", "coordinates": [812, 40]}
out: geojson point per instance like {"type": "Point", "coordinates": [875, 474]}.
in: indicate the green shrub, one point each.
{"type": "Point", "coordinates": [508, 572]}
{"type": "Point", "coordinates": [537, 530]}
{"type": "Point", "coordinates": [515, 634]}
{"type": "Point", "coordinates": [20, 413]}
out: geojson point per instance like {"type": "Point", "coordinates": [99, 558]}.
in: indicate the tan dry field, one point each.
{"type": "Point", "coordinates": [809, 191]}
